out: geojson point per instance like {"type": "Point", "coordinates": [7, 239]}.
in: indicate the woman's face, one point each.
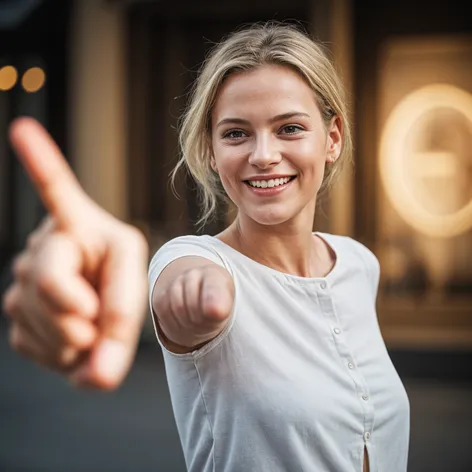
{"type": "Point", "coordinates": [270, 145]}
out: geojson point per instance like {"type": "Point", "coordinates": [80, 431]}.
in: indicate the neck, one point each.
{"type": "Point", "coordinates": [288, 247]}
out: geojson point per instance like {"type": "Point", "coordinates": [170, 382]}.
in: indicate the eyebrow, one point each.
{"type": "Point", "coordinates": [283, 116]}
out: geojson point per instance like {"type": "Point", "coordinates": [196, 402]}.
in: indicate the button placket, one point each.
{"type": "Point", "coordinates": [368, 408]}
{"type": "Point", "coordinates": [361, 390]}
{"type": "Point", "coordinates": [344, 353]}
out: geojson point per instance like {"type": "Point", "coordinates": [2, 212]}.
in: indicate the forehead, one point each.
{"type": "Point", "coordinates": [270, 89]}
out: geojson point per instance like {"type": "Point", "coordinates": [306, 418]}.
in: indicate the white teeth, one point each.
{"type": "Point", "coordinates": [269, 183]}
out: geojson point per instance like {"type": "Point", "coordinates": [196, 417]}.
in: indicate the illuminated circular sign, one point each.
{"type": "Point", "coordinates": [408, 163]}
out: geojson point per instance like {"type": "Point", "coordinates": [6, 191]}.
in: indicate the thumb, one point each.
{"type": "Point", "coordinates": [123, 298]}
{"type": "Point", "coordinates": [217, 295]}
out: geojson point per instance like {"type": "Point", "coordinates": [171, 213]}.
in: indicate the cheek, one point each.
{"type": "Point", "coordinates": [311, 159]}
{"type": "Point", "coordinates": [229, 168]}
{"type": "Point", "coordinates": [230, 181]}
{"type": "Point", "coordinates": [230, 162]}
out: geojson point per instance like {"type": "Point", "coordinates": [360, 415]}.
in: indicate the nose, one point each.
{"type": "Point", "coordinates": [265, 153]}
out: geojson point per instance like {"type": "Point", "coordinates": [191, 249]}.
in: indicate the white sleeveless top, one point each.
{"type": "Point", "coordinates": [300, 378]}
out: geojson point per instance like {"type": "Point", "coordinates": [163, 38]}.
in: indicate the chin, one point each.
{"type": "Point", "coordinates": [270, 217]}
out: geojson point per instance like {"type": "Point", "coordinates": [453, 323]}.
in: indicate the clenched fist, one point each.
{"type": "Point", "coordinates": [80, 287]}
{"type": "Point", "coordinates": [193, 304]}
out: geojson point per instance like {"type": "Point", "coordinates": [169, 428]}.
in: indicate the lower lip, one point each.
{"type": "Point", "coordinates": [269, 191]}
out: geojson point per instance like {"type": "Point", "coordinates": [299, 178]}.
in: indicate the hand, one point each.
{"type": "Point", "coordinates": [195, 306]}
{"type": "Point", "coordinates": [80, 287]}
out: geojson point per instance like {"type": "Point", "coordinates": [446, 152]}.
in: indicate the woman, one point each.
{"type": "Point", "coordinates": [273, 353]}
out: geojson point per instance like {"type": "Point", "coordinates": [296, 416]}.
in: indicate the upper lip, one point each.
{"type": "Point", "coordinates": [269, 177]}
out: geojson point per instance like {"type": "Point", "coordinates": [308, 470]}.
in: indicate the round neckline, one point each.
{"type": "Point", "coordinates": [290, 277]}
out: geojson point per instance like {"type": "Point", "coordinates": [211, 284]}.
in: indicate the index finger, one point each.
{"type": "Point", "coordinates": [48, 170]}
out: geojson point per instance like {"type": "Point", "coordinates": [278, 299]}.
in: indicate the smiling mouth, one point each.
{"type": "Point", "coordinates": [271, 183]}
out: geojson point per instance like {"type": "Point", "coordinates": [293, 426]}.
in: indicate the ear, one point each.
{"type": "Point", "coordinates": [334, 139]}
{"type": "Point", "coordinates": [213, 163]}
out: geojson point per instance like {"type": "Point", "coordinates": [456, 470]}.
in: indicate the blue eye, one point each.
{"type": "Point", "coordinates": [291, 129]}
{"type": "Point", "coordinates": [234, 134]}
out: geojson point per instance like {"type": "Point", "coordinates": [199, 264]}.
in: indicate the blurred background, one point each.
{"type": "Point", "coordinates": [109, 79]}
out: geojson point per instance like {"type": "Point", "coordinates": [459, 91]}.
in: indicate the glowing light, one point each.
{"type": "Point", "coordinates": [394, 156]}
{"type": "Point", "coordinates": [8, 77]}
{"type": "Point", "coordinates": [33, 79]}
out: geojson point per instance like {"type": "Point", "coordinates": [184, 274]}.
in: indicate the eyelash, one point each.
{"type": "Point", "coordinates": [227, 134]}
{"type": "Point", "coordinates": [297, 127]}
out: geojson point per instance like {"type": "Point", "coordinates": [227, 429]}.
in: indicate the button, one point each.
{"type": "Point", "coordinates": [365, 397]}
{"type": "Point", "coordinates": [367, 435]}
{"type": "Point", "coordinates": [337, 331]}
{"type": "Point", "coordinates": [323, 285]}
{"type": "Point", "coordinates": [351, 366]}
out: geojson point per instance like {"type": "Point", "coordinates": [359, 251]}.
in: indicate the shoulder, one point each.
{"type": "Point", "coordinates": [183, 246]}
{"type": "Point", "coordinates": [188, 242]}
{"type": "Point", "coordinates": [364, 253]}
{"type": "Point", "coordinates": [346, 246]}
{"type": "Point", "coordinates": [357, 255]}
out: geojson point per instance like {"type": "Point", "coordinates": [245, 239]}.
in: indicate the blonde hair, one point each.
{"type": "Point", "coordinates": [246, 49]}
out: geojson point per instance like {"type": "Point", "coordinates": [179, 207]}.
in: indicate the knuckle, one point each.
{"type": "Point", "coordinates": [176, 299]}
{"type": "Point", "coordinates": [20, 267]}
{"type": "Point", "coordinates": [192, 275]}
{"type": "Point", "coordinates": [176, 286]}
{"type": "Point", "coordinates": [137, 235]}
{"type": "Point", "coordinates": [66, 357]}
{"type": "Point", "coordinates": [11, 301]}
{"type": "Point", "coordinates": [136, 239]}
{"type": "Point", "coordinates": [47, 284]}
{"type": "Point", "coordinates": [65, 332]}
{"type": "Point", "coordinates": [46, 226]}
{"type": "Point", "coordinates": [178, 306]}
{"type": "Point", "coordinates": [77, 333]}
{"type": "Point", "coordinates": [213, 270]}
{"type": "Point", "coordinates": [16, 339]}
